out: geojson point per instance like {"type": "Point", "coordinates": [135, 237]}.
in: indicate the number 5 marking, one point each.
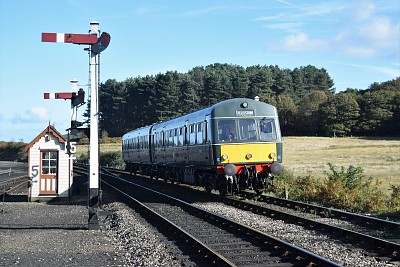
{"type": "Point", "coordinates": [35, 171]}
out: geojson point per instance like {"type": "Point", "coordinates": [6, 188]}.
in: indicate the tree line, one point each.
{"type": "Point", "coordinates": [305, 98]}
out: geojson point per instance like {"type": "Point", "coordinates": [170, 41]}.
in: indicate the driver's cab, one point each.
{"type": "Point", "coordinates": [246, 129]}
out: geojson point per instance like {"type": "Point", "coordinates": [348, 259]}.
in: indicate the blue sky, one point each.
{"type": "Point", "coordinates": [357, 42]}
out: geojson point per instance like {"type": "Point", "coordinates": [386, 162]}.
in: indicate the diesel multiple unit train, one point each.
{"type": "Point", "coordinates": [231, 146]}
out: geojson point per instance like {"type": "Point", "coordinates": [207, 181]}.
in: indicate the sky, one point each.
{"type": "Point", "coordinates": [357, 42]}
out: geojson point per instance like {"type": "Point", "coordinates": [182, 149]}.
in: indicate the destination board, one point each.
{"type": "Point", "coordinates": [244, 113]}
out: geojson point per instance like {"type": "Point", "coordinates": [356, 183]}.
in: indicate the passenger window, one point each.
{"type": "Point", "coordinates": [192, 135]}
{"type": "Point", "coordinates": [180, 137]}
{"type": "Point", "coordinates": [199, 134]}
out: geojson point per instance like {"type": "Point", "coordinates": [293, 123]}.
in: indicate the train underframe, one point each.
{"type": "Point", "coordinates": [247, 177]}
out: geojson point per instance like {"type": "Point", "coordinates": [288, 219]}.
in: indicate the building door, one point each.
{"type": "Point", "coordinates": [48, 172]}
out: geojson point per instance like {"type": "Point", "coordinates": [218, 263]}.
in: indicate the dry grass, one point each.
{"type": "Point", "coordinates": [104, 148]}
{"type": "Point", "coordinates": [379, 158]}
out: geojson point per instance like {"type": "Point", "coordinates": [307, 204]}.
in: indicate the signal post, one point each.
{"type": "Point", "coordinates": [96, 45]}
{"type": "Point", "coordinates": [94, 200]}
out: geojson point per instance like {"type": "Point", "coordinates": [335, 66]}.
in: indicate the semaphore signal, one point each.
{"type": "Point", "coordinates": [74, 38]}
{"type": "Point", "coordinates": [96, 45]}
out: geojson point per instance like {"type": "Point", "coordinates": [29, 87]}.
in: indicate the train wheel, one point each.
{"type": "Point", "coordinates": [207, 183]}
{"type": "Point", "coordinates": [229, 186]}
{"type": "Point", "coordinates": [197, 179]}
{"type": "Point", "coordinates": [222, 185]}
{"type": "Point", "coordinates": [235, 185]}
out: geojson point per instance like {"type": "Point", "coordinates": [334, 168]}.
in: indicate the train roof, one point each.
{"type": "Point", "coordinates": [239, 107]}
{"type": "Point", "coordinates": [235, 107]}
{"type": "Point", "coordinates": [138, 132]}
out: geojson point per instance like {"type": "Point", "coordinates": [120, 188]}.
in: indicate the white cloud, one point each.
{"type": "Point", "coordinates": [363, 10]}
{"type": "Point", "coordinates": [292, 27]}
{"type": "Point", "coordinates": [362, 52]}
{"type": "Point", "coordinates": [274, 17]}
{"type": "Point", "coordinates": [301, 42]}
{"type": "Point", "coordinates": [33, 115]}
{"type": "Point", "coordinates": [358, 30]}
{"type": "Point", "coordinates": [316, 9]}
{"type": "Point", "coordinates": [381, 31]}
{"type": "Point", "coordinates": [379, 69]}
{"type": "Point", "coordinates": [369, 34]}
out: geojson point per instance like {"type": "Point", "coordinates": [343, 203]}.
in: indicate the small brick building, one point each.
{"type": "Point", "coordinates": [50, 166]}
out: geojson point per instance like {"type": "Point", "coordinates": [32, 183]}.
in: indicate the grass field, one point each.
{"type": "Point", "coordinates": [104, 148]}
{"type": "Point", "coordinates": [379, 157]}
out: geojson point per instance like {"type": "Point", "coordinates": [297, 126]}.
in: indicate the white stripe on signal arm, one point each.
{"type": "Point", "coordinates": [60, 38]}
{"type": "Point", "coordinates": [49, 95]}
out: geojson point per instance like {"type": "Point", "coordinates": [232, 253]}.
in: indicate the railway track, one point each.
{"type": "Point", "coordinates": [379, 248]}
{"type": "Point", "coordinates": [369, 225]}
{"type": "Point", "coordinates": [13, 185]}
{"type": "Point", "coordinates": [387, 249]}
{"type": "Point", "coordinates": [356, 218]}
{"type": "Point", "coordinates": [206, 238]}
{"type": "Point", "coordinates": [13, 177]}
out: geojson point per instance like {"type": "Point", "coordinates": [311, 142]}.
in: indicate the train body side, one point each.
{"type": "Point", "coordinates": [198, 147]}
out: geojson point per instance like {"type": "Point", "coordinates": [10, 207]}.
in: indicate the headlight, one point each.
{"type": "Point", "coordinates": [225, 157]}
{"type": "Point", "coordinates": [272, 155]}
{"type": "Point", "coordinates": [249, 156]}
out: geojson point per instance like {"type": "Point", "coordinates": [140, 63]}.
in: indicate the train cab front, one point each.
{"type": "Point", "coordinates": [253, 166]}
{"type": "Point", "coordinates": [247, 145]}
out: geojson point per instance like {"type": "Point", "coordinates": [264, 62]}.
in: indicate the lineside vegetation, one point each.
{"type": "Point", "coordinates": [343, 187]}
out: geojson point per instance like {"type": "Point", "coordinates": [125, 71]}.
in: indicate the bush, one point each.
{"type": "Point", "coordinates": [13, 151]}
{"type": "Point", "coordinates": [112, 159]}
{"type": "Point", "coordinates": [84, 140]}
{"type": "Point", "coordinates": [301, 188]}
{"type": "Point", "coordinates": [394, 201]}
{"type": "Point", "coordinates": [107, 159]}
{"type": "Point", "coordinates": [82, 159]}
{"type": "Point", "coordinates": [351, 190]}
{"type": "Point", "coordinates": [346, 189]}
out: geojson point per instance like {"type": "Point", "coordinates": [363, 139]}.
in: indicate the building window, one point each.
{"type": "Point", "coordinates": [49, 162]}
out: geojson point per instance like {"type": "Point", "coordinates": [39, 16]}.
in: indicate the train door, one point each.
{"type": "Point", "coordinates": [186, 141]}
{"type": "Point", "coordinates": [164, 144]}
{"type": "Point", "coordinates": [207, 137]}
{"type": "Point", "coordinates": [152, 143]}
{"type": "Point", "coordinates": [48, 172]}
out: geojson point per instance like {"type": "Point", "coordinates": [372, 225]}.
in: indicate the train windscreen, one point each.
{"type": "Point", "coordinates": [248, 129]}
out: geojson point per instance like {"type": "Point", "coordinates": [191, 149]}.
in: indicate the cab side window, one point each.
{"type": "Point", "coordinates": [227, 130]}
{"type": "Point", "coordinates": [267, 130]}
